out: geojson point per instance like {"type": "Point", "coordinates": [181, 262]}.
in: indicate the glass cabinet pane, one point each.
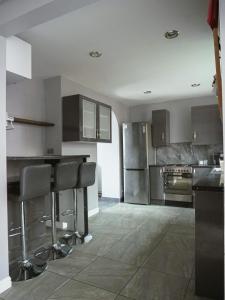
{"type": "Point", "coordinates": [104, 122]}
{"type": "Point", "coordinates": [89, 119]}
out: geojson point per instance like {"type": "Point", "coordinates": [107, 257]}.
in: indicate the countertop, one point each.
{"type": "Point", "coordinates": [45, 157]}
{"type": "Point", "coordinates": [190, 165]}
{"type": "Point", "coordinates": [212, 182]}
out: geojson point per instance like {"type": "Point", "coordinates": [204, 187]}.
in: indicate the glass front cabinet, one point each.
{"type": "Point", "coordinates": [85, 119]}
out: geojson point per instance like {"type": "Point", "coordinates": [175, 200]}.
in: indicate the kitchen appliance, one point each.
{"type": "Point", "coordinates": [178, 183]}
{"type": "Point", "coordinates": [137, 155]}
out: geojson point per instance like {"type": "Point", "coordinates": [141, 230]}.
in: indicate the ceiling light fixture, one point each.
{"type": "Point", "coordinates": [195, 85]}
{"type": "Point", "coordinates": [171, 34]}
{"type": "Point", "coordinates": [147, 92]}
{"type": "Point", "coordinates": [95, 54]}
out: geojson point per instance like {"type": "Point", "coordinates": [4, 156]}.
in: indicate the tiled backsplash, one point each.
{"type": "Point", "coordinates": [186, 153]}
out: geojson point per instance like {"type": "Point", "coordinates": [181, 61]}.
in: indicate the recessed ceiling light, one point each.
{"type": "Point", "coordinates": [95, 54]}
{"type": "Point", "coordinates": [171, 34]}
{"type": "Point", "coordinates": [147, 92]}
{"type": "Point", "coordinates": [195, 85]}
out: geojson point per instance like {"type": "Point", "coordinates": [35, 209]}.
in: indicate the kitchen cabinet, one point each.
{"type": "Point", "coordinates": [156, 185]}
{"type": "Point", "coordinates": [206, 125]}
{"type": "Point", "coordinates": [85, 119]}
{"type": "Point", "coordinates": [209, 237]}
{"type": "Point", "coordinates": [160, 128]}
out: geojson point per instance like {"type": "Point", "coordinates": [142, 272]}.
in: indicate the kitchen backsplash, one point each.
{"type": "Point", "coordinates": [186, 153]}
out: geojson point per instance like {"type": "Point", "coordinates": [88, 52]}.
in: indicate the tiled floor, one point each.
{"type": "Point", "coordinates": [138, 252]}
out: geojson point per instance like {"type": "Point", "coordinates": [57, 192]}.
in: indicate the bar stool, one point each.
{"type": "Point", "coordinates": [65, 178]}
{"type": "Point", "coordinates": [34, 183]}
{"type": "Point", "coordinates": [86, 178]}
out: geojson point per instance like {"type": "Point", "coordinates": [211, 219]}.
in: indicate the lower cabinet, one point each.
{"type": "Point", "coordinates": [156, 185]}
{"type": "Point", "coordinates": [209, 244]}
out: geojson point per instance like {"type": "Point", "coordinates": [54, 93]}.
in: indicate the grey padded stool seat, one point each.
{"type": "Point", "coordinates": [86, 178]}
{"type": "Point", "coordinates": [35, 182]}
{"type": "Point", "coordinates": [65, 178]}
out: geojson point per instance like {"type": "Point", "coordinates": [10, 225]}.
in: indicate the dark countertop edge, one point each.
{"type": "Point", "coordinates": [211, 182]}
{"type": "Point", "coordinates": [208, 188]}
{"type": "Point", "coordinates": [189, 165]}
{"type": "Point", "coordinates": [45, 157]}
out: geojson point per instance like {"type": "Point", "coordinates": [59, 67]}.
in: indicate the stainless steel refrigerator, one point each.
{"type": "Point", "coordinates": [137, 155]}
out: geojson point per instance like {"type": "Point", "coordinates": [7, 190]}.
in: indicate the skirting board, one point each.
{"type": "Point", "coordinates": [5, 284]}
{"type": "Point", "coordinates": [62, 225]}
{"type": "Point", "coordinates": [93, 212]}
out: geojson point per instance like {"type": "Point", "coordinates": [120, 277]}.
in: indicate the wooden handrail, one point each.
{"type": "Point", "coordinates": [218, 69]}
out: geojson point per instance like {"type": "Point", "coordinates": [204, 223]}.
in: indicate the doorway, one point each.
{"type": "Point", "coordinates": [109, 168]}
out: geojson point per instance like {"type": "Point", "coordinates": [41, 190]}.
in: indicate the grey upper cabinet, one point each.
{"type": "Point", "coordinates": [85, 119]}
{"type": "Point", "coordinates": [206, 125]}
{"type": "Point", "coordinates": [160, 127]}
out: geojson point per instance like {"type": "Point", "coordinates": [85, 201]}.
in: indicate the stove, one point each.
{"type": "Point", "coordinates": [178, 169]}
{"type": "Point", "coordinates": [178, 183]}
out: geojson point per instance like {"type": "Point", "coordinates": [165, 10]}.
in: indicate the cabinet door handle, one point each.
{"type": "Point", "coordinates": [194, 135]}
{"type": "Point", "coordinates": [163, 136]}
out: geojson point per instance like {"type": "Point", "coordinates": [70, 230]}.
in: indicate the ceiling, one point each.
{"type": "Point", "coordinates": [136, 56]}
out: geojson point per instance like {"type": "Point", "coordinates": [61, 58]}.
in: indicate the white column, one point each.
{"type": "Point", "coordinates": [5, 281]}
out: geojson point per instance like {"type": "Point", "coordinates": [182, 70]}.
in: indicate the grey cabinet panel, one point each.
{"type": "Point", "coordinates": [160, 127]}
{"type": "Point", "coordinates": [209, 244]}
{"type": "Point", "coordinates": [156, 183]}
{"type": "Point", "coordinates": [85, 119]}
{"type": "Point", "coordinates": [206, 125]}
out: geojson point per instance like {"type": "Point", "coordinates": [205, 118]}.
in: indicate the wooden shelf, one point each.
{"type": "Point", "coordinates": [32, 122]}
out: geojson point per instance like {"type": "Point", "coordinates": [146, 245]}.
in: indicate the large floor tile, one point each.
{"type": "Point", "coordinates": [134, 250]}
{"type": "Point", "coordinates": [190, 295]}
{"type": "Point", "coordinates": [123, 298]}
{"type": "Point", "coordinates": [178, 263]}
{"type": "Point", "coordinates": [107, 274]}
{"type": "Point", "coordinates": [149, 285]}
{"type": "Point", "coordinates": [39, 288]}
{"type": "Point", "coordinates": [99, 245]}
{"type": "Point", "coordinates": [184, 229]}
{"type": "Point", "coordinates": [74, 290]}
{"type": "Point", "coordinates": [178, 242]}
{"type": "Point", "coordinates": [71, 265]}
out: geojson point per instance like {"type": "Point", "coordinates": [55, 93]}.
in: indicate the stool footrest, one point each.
{"type": "Point", "coordinates": [68, 212]}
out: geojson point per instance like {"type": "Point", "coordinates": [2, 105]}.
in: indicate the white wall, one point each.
{"type": "Point", "coordinates": [26, 99]}
{"type": "Point", "coordinates": [180, 115]}
{"type": "Point", "coordinates": [109, 169]}
{"type": "Point", "coordinates": [53, 111]}
{"type": "Point", "coordinates": [5, 281]}
{"type": "Point", "coordinates": [18, 57]}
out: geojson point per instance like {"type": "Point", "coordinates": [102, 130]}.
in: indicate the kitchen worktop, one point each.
{"type": "Point", "coordinates": [211, 182]}
{"type": "Point", "coordinates": [45, 157]}
{"type": "Point", "coordinates": [191, 165]}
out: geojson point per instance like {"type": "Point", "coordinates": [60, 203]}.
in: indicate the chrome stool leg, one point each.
{"type": "Point", "coordinates": [29, 267]}
{"type": "Point", "coordinates": [58, 249]}
{"type": "Point", "coordinates": [76, 234]}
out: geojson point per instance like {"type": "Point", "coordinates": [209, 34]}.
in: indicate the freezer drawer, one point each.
{"type": "Point", "coordinates": [136, 186]}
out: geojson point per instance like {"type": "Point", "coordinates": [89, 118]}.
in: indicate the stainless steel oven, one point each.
{"type": "Point", "coordinates": [178, 183]}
